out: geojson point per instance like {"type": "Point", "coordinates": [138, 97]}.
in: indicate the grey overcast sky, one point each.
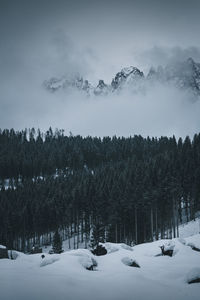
{"type": "Point", "coordinates": [96, 36]}
{"type": "Point", "coordinates": [44, 38]}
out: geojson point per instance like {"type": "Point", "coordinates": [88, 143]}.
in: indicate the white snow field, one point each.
{"type": "Point", "coordinates": [190, 228]}
{"type": "Point", "coordinates": [65, 277]}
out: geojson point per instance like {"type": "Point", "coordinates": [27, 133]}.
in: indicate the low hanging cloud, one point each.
{"type": "Point", "coordinates": [162, 56]}
{"type": "Point", "coordinates": [158, 110]}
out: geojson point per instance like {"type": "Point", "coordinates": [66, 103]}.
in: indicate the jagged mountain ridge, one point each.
{"type": "Point", "coordinates": [183, 75]}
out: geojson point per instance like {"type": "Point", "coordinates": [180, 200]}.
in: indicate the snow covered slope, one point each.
{"type": "Point", "coordinates": [190, 228]}
{"type": "Point", "coordinates": [65, 277]}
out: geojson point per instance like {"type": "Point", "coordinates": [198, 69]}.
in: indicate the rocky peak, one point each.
{"type": "Point", "coordinates": [102, 88]}
{"type": "Point", "coordinates": [126, 75]}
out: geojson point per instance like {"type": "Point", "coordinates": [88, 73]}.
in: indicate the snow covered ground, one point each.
{"type": "Point", "coordinates": [65, 277]}
{"type": "Point", "coordinates": [190, 228]}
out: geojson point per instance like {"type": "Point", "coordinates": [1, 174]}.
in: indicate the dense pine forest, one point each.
{"type": "Point", "coordinates": [128, 190]}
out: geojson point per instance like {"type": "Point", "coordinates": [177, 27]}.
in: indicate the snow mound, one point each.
{"type": "Point", "coordinates": [194, 239]}
{"type": "Point", "coordinates": [86, 258]}
{"type": "Point", "coordinates": [80, 252]}
{"type": "Point", "coordinates": [182, 241]}
{"type": "Point", "coordinates": [193, 276]}
{"type": "Point", "coordinates": [89, 263]}
{"type": "Point", "coordinates": [112, 247]}
{"type": "Point", "coordinates": [169, 246]}
{"type": "Point", "coordinates": [158, 278]}
{"type": "Point", "coordinates": [130, 262]}
{"type": "Point", "coordinates": [189, 229]}
{"type": "Point", "coordinates": [126, 247]}
{"type": "Point", "coordinates": [193, 246]}
{"type": "Point", "coordinates": [48, 261]}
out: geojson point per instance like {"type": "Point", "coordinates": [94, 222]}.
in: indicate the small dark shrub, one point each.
{"type": "Point", "coordinates": [134, 264]}
{"type": "Point", "coordinates": [197, 280]}
{"type": "Point", "coordinates": [3, 253]}
{"type": "Point", "coordinates": [90, 268]}
{"type": "Point", "coordinates": [99, 250]}
{"type": "Point", "coordinates": [35, 250]}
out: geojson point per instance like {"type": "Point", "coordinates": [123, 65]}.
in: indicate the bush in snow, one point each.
{"type": "Point", "coordinates": [130, 262]}
{"type": "Point", "coordinates": [99, 250]}
{"type": "Point", "coordinates": [193, 276]}
{"type": "Point", "coordinates": [89, 263]}
{"type": "Point", "coordinates": [167, 249]}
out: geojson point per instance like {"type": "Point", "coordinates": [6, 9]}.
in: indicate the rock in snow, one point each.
{"type": "Point", "coordinates": [193, 276]}
{"type": "Point", "coordinates": [130, 262]}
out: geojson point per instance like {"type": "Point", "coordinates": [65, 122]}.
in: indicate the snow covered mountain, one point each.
{"type": "Point", "coordinates": [184, 75]}
{"type": "Point", "coordinates": [76, 82]}
{"type": "Point", "coordinates": [127, 76]}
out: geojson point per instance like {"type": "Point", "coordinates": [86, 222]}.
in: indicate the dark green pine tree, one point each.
{"type": "Point", "coordinates": [57, 243]}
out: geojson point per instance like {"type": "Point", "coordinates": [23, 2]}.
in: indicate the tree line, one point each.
{"type": "Point", "coordinates": [128, 190]}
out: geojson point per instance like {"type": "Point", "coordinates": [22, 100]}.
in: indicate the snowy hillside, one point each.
{"type": "Point", "coordinates": [65, 276]}
{"type": "Point", "coordinates": [190, 228]}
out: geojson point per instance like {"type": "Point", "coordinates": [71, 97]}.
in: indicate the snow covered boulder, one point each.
{"type": "Point", "coordinates": [130, 262]}
{"type": "Point", "coordinates": [168, 249]}
{"type": "Point", "coordinates": [99, 250]}
{"type": "Point", "coordinates": [193, 276]}
{"type": "Point", "coordinates": [88, 262]}
{"type": "Point", "coordinates": [193, 247]}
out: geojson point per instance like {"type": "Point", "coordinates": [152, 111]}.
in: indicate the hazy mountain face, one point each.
{"type": "Point", "coordinates": [183, 75]}
{"type": "Point", "coordinates": [85, 45]}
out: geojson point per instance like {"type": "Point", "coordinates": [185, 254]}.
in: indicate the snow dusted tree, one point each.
{"type": "Point", "coordinates": [97, 235]}
{"type": "Point", "coordinates": [57, 243]}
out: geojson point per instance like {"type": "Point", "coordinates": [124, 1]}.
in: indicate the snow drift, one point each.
{"type": "Point", "coordinates": [70, 278]}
